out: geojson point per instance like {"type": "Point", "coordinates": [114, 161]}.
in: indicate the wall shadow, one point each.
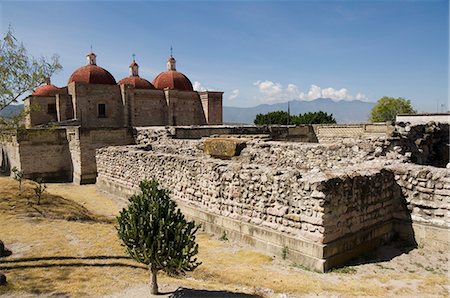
{"type": "Point", "coordinates": [192, 293]}
{"type": "Point", "coordinates": [400, 241]}
{"type": "Point", "coordinates": [27, 263]}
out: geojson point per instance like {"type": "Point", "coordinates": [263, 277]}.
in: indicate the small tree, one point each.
{"type": "Point", "coordinates": [18, 176]}
{"type": "Point", "coordinates": [314, 118]}
{"type": "Point", "coordinates": [283, 118]}
{"type": "Point", "coordinates": [39, 189]}
{"type": "Point", "coordinates": [277, 117]}
{"type": "Point", "coordinates": [387, 108]}
{"type": "Point", "coordinates": [20, 73]}
{"type": "Point", "coordinates": [155, 233]}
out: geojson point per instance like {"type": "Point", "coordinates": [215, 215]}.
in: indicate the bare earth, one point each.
{"type": "Point", "coordinates": [68, 247]}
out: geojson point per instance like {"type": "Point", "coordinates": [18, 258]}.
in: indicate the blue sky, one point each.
{"type": "Point", "coordinates": [254, 51]}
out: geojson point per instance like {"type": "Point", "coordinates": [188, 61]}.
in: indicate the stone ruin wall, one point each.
{"type": "Point", "coordinates": [426, 191]}
{"type": "Point", "coordinates": [323, 193]}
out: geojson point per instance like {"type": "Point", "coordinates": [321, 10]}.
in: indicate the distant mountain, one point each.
{"type": "Point", "coordinates": [11, 110]}
{"type": "Point", "coordinates": [343, 111]}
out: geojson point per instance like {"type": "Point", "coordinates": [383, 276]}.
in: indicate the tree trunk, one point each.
{"type": "Point", "coordinates": [153, 280]}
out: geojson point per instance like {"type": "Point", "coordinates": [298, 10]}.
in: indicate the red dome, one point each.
{"type": "Point", "coordinates": [46, 90]}
{"type": "Point", "coordinates": [92, 74]}
{"type": "Point", "coordinates": [172, 79]}
{"type": "Point", "coordinates": [137, 82]}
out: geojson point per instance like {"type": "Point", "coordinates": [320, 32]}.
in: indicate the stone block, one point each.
{"type": "Point", "coordinates": [224, 148]}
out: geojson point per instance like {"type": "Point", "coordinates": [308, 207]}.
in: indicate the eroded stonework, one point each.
{"type": "Point", "coordinates": [326, 202]}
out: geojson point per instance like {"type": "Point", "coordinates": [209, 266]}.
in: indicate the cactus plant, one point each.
{"type": "Point", "coordinates": [156, 233]}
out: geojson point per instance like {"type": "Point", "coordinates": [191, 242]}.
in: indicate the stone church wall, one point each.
{"type": "Point", "coordinates": [149, 108]}
{"type": "Point", "coordinates": [185, 108]}
{"type": "Point", "coordinates": [86, 99]}
{"type": "Point", "coordinates": [39, 113]}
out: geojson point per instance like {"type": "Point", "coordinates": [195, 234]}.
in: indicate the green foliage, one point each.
{"type": "Point", "coordinates": [313, 118]}
{"type": "Point", "coordinates": [224, 236]}
{"type": "Point", "coordinates": [18, 176]}
{"type": "Point", "coordinates": [285, 252]}
{"type": "Point", "coordinates": [19, 72]}
{"type": "Point", "coordinates": [39, 189]}
{"type": "Point", "coordinates": [278, 117]}
{"type": "Point", "coordinates": [387, 108]}
{"type": "Point", "coordinates": [157, 234]}
{"type": "Point", "coordinates": [283, 118]}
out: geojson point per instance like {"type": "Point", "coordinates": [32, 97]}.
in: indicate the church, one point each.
{"type": "Point", "coordinates": [93, 99]}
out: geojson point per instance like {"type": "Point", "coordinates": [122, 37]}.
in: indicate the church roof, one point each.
{"type": "Point", "coordinates": [137, 82]}
{"type": "Point", "coordinates": [173, 79]}
{"type": "Point", "coordinates": [92, 74]}
{"type": "Point", "coordinates": [46, 90]}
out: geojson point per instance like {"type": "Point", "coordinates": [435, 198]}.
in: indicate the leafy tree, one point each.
{"type": "Point", "coordinates": [277, 117]}
{"type": "Point", "coordinates": [19, 72]}
{"type": "Point", "coordinates": [313, 118]}
{"type": "Point", "coordinates": [281, 117]}
{"type": "Point", "coordinates": [155, 233]}
{"type": "Point", "coordinates": [39, 189]}
{"type": "Point", "coordinates": [387, 108]}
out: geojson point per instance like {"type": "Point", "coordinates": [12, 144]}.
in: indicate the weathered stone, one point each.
{"type": "Point", "coordinates": [223, 147]}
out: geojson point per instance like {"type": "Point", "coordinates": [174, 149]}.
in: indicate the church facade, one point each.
{"type": "Point", "coordinates": [93, 99]}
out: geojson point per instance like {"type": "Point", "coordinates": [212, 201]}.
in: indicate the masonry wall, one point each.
{"type": "Point", "coordinates": [149, 108]}
{"type": "Point", "coordinates": [87, 97]}
{"type": "Point", "coordinates": [212, 107]}
{"type": "Point", "coordinates": [9, 151]}
{"type": "Point", "coordinates": [83, 143]}
{"type": "Point", "coordinates": [39, 113]}
{"type": "Point", "coordinates": [185, 108]}
{"type": "Point", "coordinates": [324, 217]}
{"type": "Point", "coordinates": [40, 153]}
{"type": "Point", "coordinates": [332, 132]}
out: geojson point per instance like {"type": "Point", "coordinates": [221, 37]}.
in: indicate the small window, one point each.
{"type": "Point", "coordinates": [101, 110]}
{"type": "Point", "coordinates": [51, 108]}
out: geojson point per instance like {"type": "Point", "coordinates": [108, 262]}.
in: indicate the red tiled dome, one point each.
{"type": "Point", "coordinates": [172, 79]}
{"type": "Point", "coordinates": [46, 90]}
{"type": "Point", "coordinates": [137, 82]}
{"type": "Point", "coordinates": [92, 74]}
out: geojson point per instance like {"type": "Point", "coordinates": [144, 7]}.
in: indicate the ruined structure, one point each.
{"type": "Point", "coordinates": [325, 202]}
{"type": "Point", "coordinates": [325, 193]}
{"type": "Point", "coordinates": [93, 99]}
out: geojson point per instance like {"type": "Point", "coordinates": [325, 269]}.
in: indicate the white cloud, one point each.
{"type": "Point", "coordinates": [198, 86]}
{"type": "Point", "coordinates": [361, 96]}
{"type": "Point", "coordinates": [269, 88]}
{"type": "Point", "coordinates": [271, 92]}
{"type": "Point", "coordinates": [234, 94]}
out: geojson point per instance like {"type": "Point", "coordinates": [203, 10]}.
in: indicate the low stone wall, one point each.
{"type": "Point", "coordinates": [39, 153]}
{"type": "Point", "coordinates": [331, 132]}
{"type": "Point", "coordinates": [58, 154]}
{"type": "Point", "coordinates": [325, 217]}
{"type": "Point", "coordinates": [426, 191]}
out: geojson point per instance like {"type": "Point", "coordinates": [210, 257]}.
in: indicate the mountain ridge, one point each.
{"type": "Point", "coordinates": [354, 111]}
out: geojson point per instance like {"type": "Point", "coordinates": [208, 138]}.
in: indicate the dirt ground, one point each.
{"type": "Point", "coordinates": [68, 247]}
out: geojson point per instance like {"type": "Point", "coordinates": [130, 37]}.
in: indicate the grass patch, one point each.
{"type": "Point", "coordinates": [67, 249]}
{"type": "Point", "coordinates": [24, 203]}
